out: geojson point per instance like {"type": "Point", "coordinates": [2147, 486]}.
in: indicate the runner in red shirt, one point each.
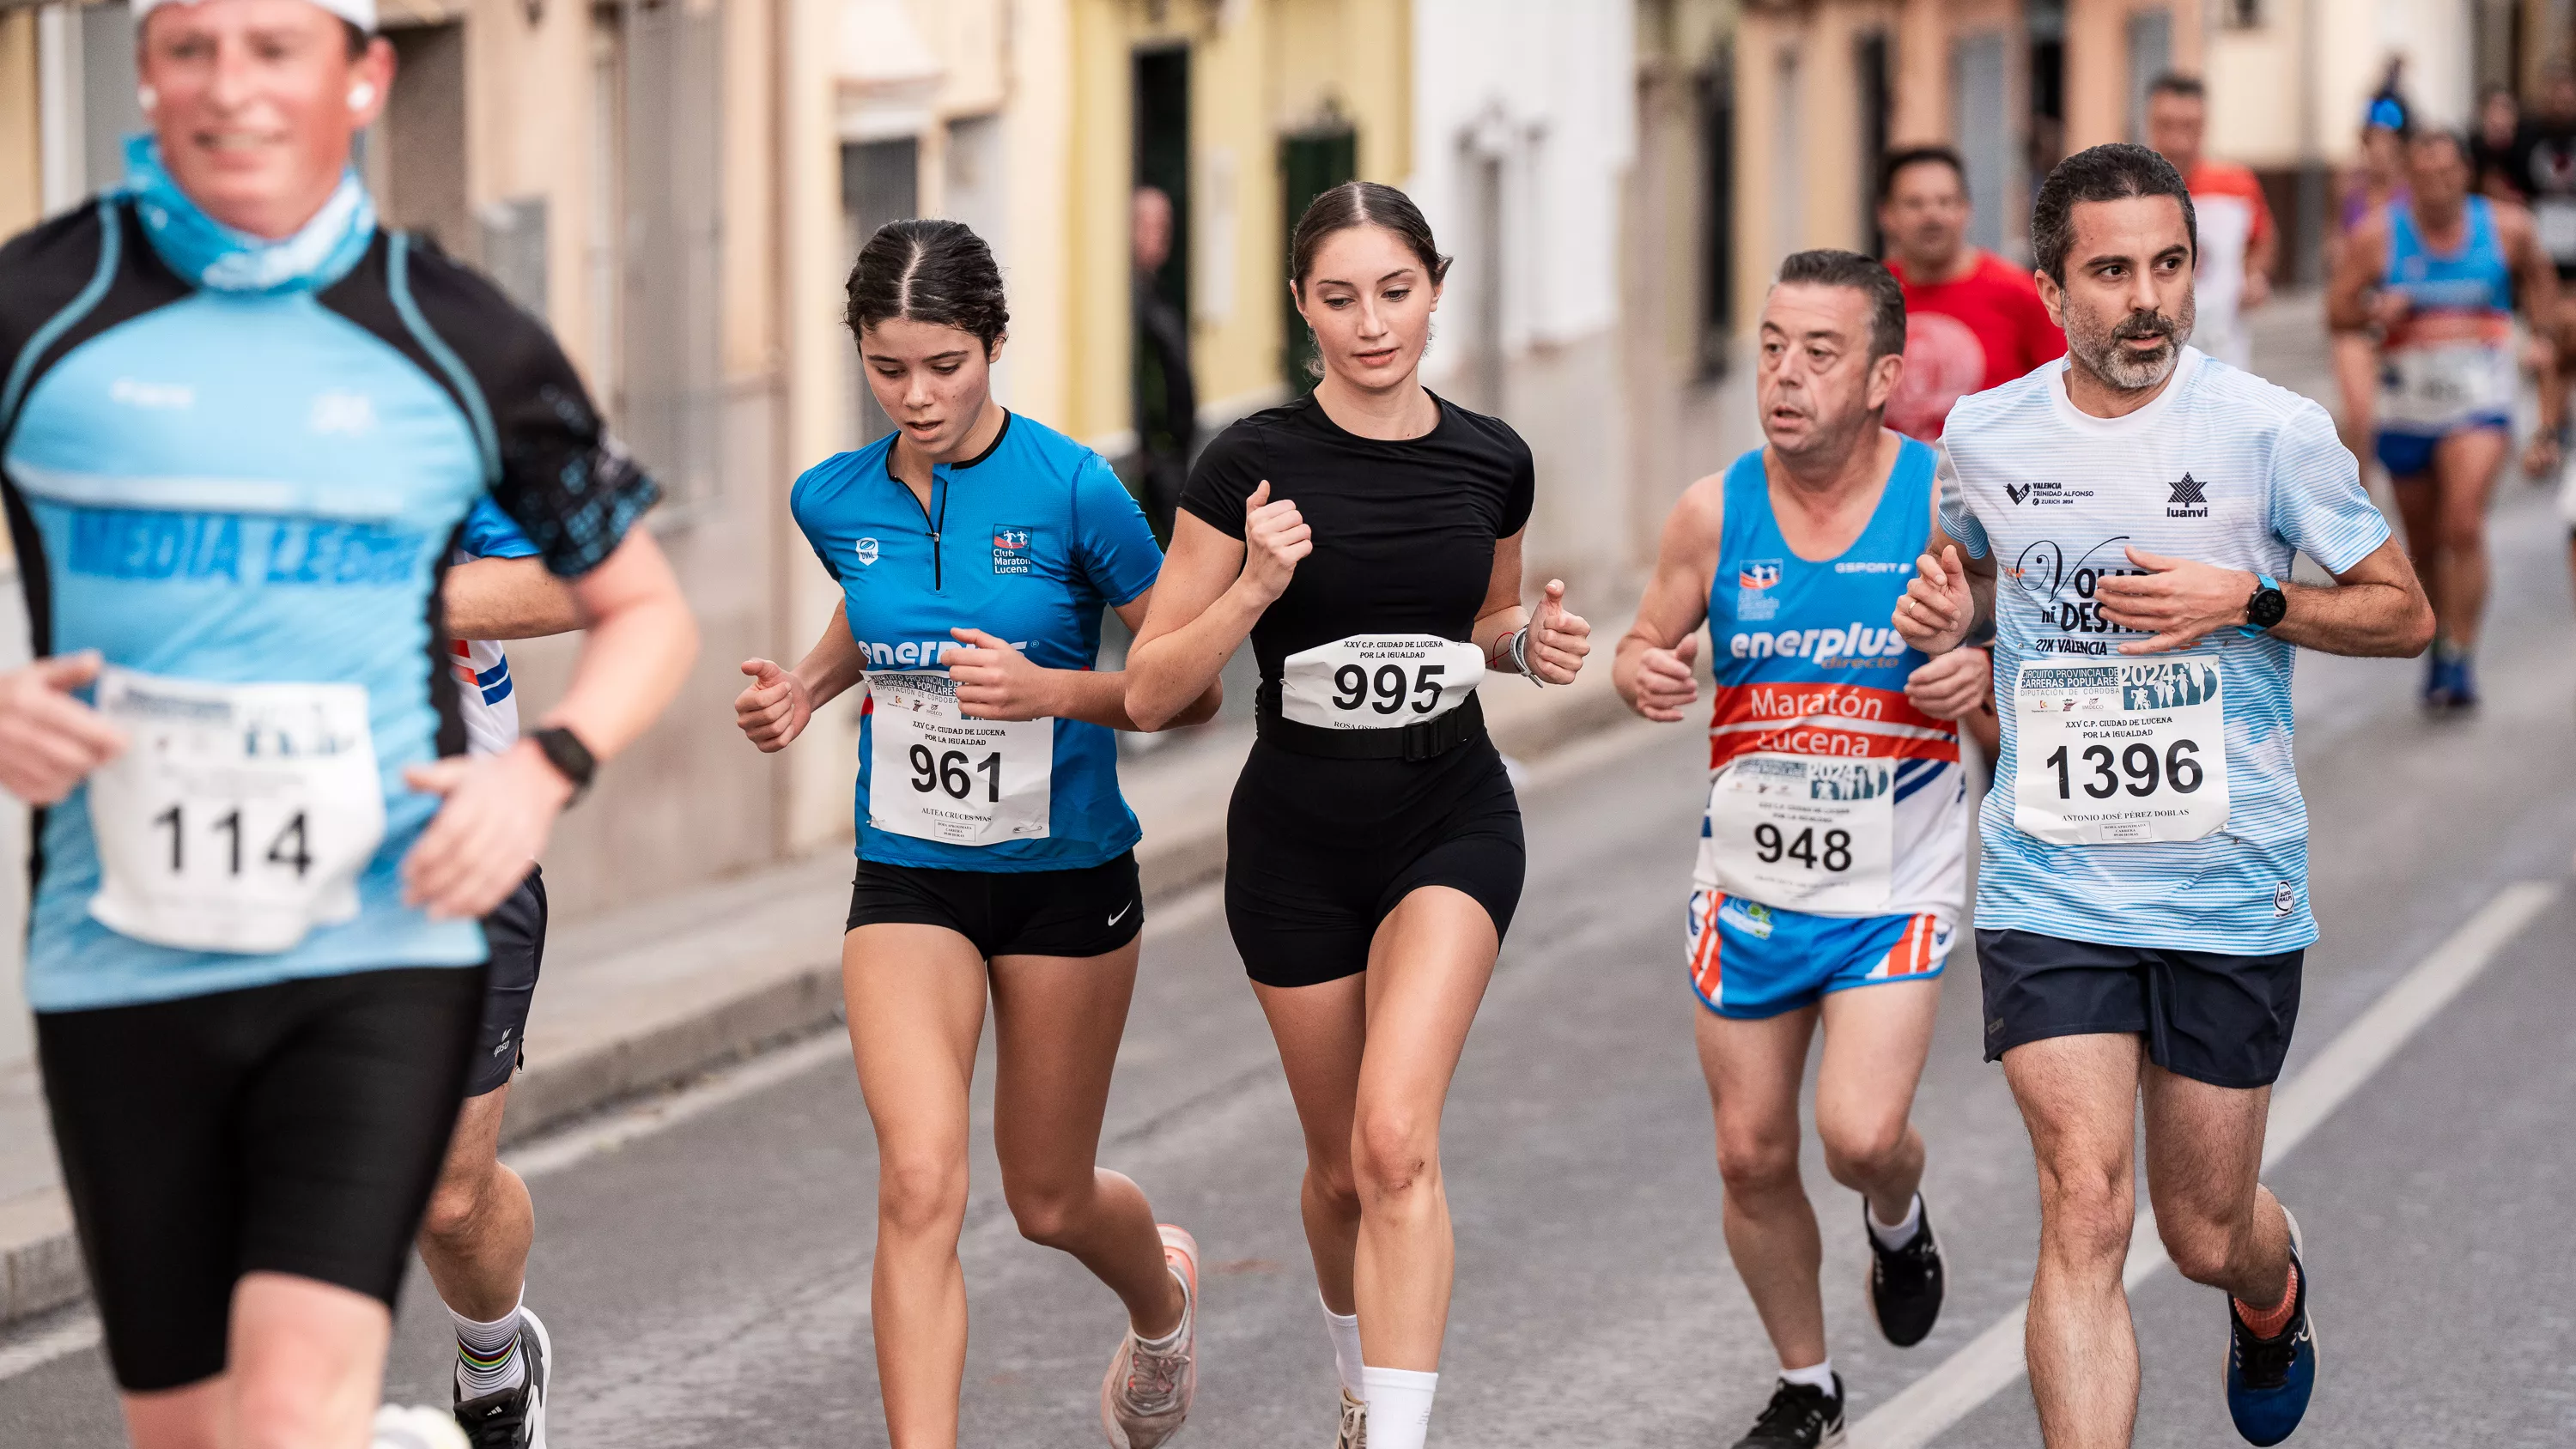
{"type": "Point", "coordinates": [1972, 320]}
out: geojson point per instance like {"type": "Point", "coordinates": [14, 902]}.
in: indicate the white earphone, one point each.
{"type": "Point", "coordinates": [148, 98]}
{"type": "Point", "coordinates": [362, 95]}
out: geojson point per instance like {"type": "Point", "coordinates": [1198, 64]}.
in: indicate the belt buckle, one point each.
{"type": "Point", "coordinates": [1418, 743]}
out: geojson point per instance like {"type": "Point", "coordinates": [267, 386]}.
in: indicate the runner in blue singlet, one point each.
{"type": "Point", "coordinates": [975, 550]}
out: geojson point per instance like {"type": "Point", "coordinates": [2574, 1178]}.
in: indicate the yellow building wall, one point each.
{"type": "Point", "coordinates": [2097, 63]}
{"type": "Point", "coordinates": [1257, 71]}
{"type": "Point", "coordinates": [22, 184]}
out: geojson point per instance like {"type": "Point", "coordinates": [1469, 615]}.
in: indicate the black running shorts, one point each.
{"type": "Point", "coordinates": [293, 1128]}
{"type": "Point", "coordinates": [1320, 851]}
{"type": "Point", "coordinates": [1090, 911]}
{"type": "Point", "coordinates": [2214, 1018]}
{"type": "Point", "coordinates": [516, 934]}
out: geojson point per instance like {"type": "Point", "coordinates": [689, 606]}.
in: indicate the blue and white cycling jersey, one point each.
{"type": "Point", "coordinates": [487, 699]}
{"type": "Point", "coordinates": [1028, 542]}
{"type": "Point", "coordinates": [2221, 467]}
{"type": "Point", "coordinates": [254, 481]}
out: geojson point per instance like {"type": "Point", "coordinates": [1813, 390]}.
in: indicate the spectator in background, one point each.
{"type": "Point", "coordinates": [1972, 320]}
{"type": "Point", "coordinates": [2238, 242]}
{"type": "Point", "coordinates": [2494, 145]}
{"type": "Point", "coordinates": [1166, 398]}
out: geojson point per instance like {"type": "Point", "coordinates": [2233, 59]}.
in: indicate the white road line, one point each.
{"type": "Point", "coordinates": [1992, 1360]}
{"type": "Point", "coordinates": [70, 1336]}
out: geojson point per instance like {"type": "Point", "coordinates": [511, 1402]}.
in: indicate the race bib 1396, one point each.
{"type": "Point", "coordinates": [2119, 754]}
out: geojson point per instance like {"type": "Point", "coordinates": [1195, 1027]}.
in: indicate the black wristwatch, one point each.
{"type": "Point", "coordinates": [571, 758]}
{"type": "Point", "coordinates": [2266, 608]}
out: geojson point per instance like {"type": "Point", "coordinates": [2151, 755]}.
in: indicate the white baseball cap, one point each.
{"type": "Point", "coordinates": [360, 13]}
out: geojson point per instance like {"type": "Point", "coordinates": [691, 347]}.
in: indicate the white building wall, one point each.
{"type": "Point", "coordinates": [1544, 91]}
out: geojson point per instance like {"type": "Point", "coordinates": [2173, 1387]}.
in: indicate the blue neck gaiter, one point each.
{"type": "Point", "coordinates": [212, 255]}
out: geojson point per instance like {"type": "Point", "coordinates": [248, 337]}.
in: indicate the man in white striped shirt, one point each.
{"type": "Point", "coordinates": [2142, 902]}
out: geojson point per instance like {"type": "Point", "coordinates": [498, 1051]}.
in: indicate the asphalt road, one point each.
{"type": "Point", "coordinates": [706, 1283]}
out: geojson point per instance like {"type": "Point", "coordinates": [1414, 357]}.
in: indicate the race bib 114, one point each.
{"type": "Point", "coordinates": [2119, 754]}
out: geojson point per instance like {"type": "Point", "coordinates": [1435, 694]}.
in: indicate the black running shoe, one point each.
{"type": "Point", "coordinates": [1905, 1282]}
{"type": "Point", "coordinates": [514, 1418]}
{"type": "Point", "coordinates": [1799, 1418]}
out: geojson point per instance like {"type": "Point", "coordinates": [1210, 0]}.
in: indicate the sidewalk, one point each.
{"type": "Point", "coordinates": [648, 996]}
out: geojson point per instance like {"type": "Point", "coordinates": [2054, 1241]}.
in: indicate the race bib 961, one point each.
{"type": "Point", "coordinates": [935, 774]}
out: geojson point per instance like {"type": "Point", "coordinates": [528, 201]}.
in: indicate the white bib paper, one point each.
{"type": "Point", "coordinates": [934, 774]}
{"type": "Point", "coordinates": [1378, 681]}
{"type": "Point", "coordinates": [1802, 832]}
{"type": "Point", "coordinates": [2120, 754]}
{"type": "Point", "coordinates": [2425, 389]}
{"type": "Point", "coordinates": [239, 817]}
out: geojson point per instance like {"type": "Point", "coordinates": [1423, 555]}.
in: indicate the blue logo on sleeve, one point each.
{"type": "Point", "coordinates": [1011, 549]}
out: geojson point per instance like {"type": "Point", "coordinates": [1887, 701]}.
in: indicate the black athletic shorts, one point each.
{"type": "Point", "coordinates": [1090, 911]}
{"type": "Point", "coordinates": [1320, 851]}
{"type": "Point", "coordinates": [2214, 1018]}
{"type": "Point", "coordinates": [516, 934]}
{"type": "Point", "coordinates": [294, 1128]}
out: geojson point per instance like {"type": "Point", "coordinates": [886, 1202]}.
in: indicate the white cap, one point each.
{"type": "Point", "coordinates": [360, 13]}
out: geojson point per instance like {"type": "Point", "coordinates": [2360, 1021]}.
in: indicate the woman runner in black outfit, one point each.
{"type": "Point", "coordinates": [1368, 540]}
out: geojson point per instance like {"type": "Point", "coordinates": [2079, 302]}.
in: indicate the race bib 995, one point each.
{"type": "Point", "coordinates": [1378, 681]}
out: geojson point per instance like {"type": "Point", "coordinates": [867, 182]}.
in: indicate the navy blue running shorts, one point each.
{"type": "Point", "coordinates": [516, 934]}
{"type": "Point", "coordinates": [2214, 1018]}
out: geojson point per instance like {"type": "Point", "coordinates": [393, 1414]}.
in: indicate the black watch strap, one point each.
{"type": "Point", "coordinates": [571, 758]}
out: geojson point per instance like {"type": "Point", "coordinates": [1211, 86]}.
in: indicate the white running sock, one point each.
{"type": "Point", "coordinates": [1892, 1238]}
{"type": "Point", "coordinates": [1820, 1377]}
{"type": "Point", "coordinates": [1399, 1403]}
{"type": "Point", "coordinates": [1345, 1330]}
{"type": "Point", "coordinates": [487, 1355]}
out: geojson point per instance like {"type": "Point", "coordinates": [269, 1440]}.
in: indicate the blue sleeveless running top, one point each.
{"type": "Point", "coordinates": [1808, 662]}
{"type": "Point", "coordinates": [2476, 278]}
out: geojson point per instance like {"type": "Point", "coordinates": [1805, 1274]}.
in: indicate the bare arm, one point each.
{"type": "Point", "coordinates": [2535, 286]}
{"type": "Point", "coordinates": [996, 681]}
{"type": "Point", "coordinates": [508, 598]}
{"type": "Point", "coordinates": [2359, 261]}
{"type": "Point", "coordinates": [1558, 641]}
{"type": "Point", "coordinates": [2376, 608]}
{"type": "Point", "coordinates": [1211, 592]}
{"type": "Point", "coordinates": [499, 809]}
{"type": "Point", "coordinates": [2260, 257]}
{"type": "Point", "coordinates": [1652, 669]}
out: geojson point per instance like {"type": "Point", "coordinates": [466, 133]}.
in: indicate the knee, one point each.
{"type": "Point", "coordinates": [919, 1195]}
{"type": "Point", "coordinates": [1047, 1216]}
{"type": "Point", "coordinates": [1334, 1185]}
{"type": "Point", "coordinates": [2086, 1214]}
{"type": "Point", "coordinates": [1860, 1153]}
{"type": "Point", "coordinates": [2202, 1251]}
{"type": "Point", "coordinates": [2463, 532]}
{"type": "Point", "coordinates": [1757, 1164]}
{"type": "Point", "coordinates": [1394, 1153]}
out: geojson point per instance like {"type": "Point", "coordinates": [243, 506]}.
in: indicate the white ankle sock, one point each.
{"type": "Point", "coordinates": [1902, 1233]}
{"type": "Point", "coordinates": [487, 1354]}
{"type": "Point", "coordinates": [1345, 1331]}
{"type": "Point", "coordinates": [1819, 1377]}
{"type": "Point", "coordinates": [1399, 1403]}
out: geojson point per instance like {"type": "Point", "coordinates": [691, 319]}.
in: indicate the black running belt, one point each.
{"type": "Point", "coordinates": [1426, 740]}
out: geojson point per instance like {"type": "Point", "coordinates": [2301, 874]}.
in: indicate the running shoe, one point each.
{"type": "Point", "coordinates": [2464, 683]}
{"type": "Point", "coordinates": [1354, 1434]}
{"type": "Point", "coordinates": [2437, 681]}
{"type": "Point", "coordinates": [515, 1418]}
{"type": "Point", "coordinates": [2269, 1379]}
{"type": "Point", "coordinates": [1147, 1393]}
{"type": "Point", "coordinates": [1905, 1282]}
{"type": "Point", "coordinates": [2450, 681]}
{"type": "Point", "coordinates": [1799, 1418]}
{"type": "Point", "coordinates": [410, 1427]}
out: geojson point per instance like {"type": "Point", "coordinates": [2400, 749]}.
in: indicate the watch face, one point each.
{"type": "Point", "coordinates": [2268, 608]}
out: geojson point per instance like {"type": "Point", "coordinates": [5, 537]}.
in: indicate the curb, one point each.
{"type": "Point", "coordinates": [40, 1261]}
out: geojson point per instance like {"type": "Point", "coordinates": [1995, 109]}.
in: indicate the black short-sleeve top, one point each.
{"type": "Point", "coordinates": [1404, 530]}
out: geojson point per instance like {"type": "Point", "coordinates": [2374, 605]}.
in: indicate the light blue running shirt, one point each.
{"type": "Point", "coordinates": [2221, 467]}
{"type": "Point", "coordinates": [1028, 542]}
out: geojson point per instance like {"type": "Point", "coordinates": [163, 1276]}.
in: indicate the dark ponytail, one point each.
{"type": "Point", "coordinates": [924, 270]}
{"type": "Point", "coordinates": [1362, 203]}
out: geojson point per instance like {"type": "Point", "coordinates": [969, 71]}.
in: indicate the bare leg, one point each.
{"type": "Point", "coordinates": [2356, 369]}
{"type": "Point", "coordinates": [1876, 1040]}
{"type": "Point", "coordinates": [481, 1221]}
{"type": "Point", "coordinates": [1321, 1031]}
{"type": "Point", "coordinates": [2220, 1226]}
{"type": "Point", "coordinates": [1754, 1069]}
{"type": "Point", "coordinates": [916, 1004]}
{"type": "Point", "coordinates": [2465, 466]}
{"type": "Point", "coordinates": [2419, 512]}
{"type": "Point", "coordinates": [1056, 1022]}
{"type": "Point", "coordinates": [2079, 1096]}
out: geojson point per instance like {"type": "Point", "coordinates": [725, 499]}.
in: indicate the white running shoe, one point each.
{"type": "Point", "coordinates": [1354, 1434]}
{"type": "Point", "coordinates": [411, 1426]}
{"type": "Point", "coordinates": [1147, 1394]}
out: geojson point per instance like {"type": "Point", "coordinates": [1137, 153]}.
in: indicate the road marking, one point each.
{"type": "Point", "coordinates": [1992, 1360]}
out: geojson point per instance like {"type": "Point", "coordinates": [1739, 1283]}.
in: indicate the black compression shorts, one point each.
{"type": "Point", "coordinates": [1319, 852]}
{"type": "Point", "coordinates": [293, 1128]}
{"type": "Point", "coordinates": [2214, 1018]}
{"type": "Point", "coordinates": [1089, 911]}
{"type": "Point", "coordinates": [516, 934]}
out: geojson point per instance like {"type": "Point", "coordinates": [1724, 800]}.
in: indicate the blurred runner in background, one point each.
{"type": "Point", "coordinates": [1972, 320]}
{"type": "Point", "coordinates": [2238, 242]}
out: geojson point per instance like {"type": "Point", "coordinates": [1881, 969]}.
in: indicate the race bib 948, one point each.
{"type": "Point", "coordinates": [2120, 754]}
